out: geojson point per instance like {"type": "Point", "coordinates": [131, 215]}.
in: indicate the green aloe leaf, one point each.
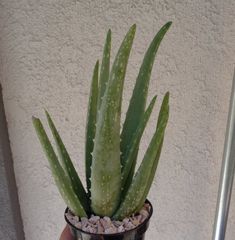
{"type": "Point", "coordinates": [104, 69]}
{"type": "Point", "coordinates": [150, 179]}
{"type": "Point", "coordinates": [62, 181]}
{"type": "Point", "coordinates": [129, 178]}
{"type": "Point", "coordinates": [143, 178]}
{"type": "Point", "coordinates": [128, 171]}
{"type": "Point", "coordinates": [137, 104]}
{"type": "Point", "coordinates": [68, 165]}
{"type": "Point", "coordinates": [106, 167]}
{"type": "Point", "coordinates": [163, 109]}
{"type": "Point", "coordinates": [91, 125]}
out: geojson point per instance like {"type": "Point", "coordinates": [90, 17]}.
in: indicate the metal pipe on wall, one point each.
{"type": "Point", "coordinates": [227, 173]}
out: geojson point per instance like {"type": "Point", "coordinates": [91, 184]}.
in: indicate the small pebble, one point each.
{"type": "Point", "coordinates": [125, 220]}
{"type": "Point", "coordinates": [110, 230]}
{"type": "Point", "coordinates": [100, 228]}
{"type": "Point", "coordinates": [94, 219]}
{"type": "Point", "coordinates": [135, 221]}
{"type": "Point", "coordinates": [105, 224]}
{"type": "Point", "coordinates": [144, 213]}
{"type": "Point", "coordinates": [84, 221]}
{"type": "Point", "coordinates": [129, 226]}
{"type": "Point", "coordinates": [117, 223]}
{"type": "Point", "coordinates": [138, 217]}
{"type": "Point", "coordinates": [121, 229]}
{"type": "Point", "coordinates": [107, 219]}
{"type": "Point", "coordinates": [78, 224]}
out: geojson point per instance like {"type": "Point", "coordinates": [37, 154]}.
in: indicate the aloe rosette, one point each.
{"type": "Point", "coordinates": [113, 187]}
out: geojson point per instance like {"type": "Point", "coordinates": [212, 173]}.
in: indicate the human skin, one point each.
{"type": "Point", "coordinates": [66, 235]}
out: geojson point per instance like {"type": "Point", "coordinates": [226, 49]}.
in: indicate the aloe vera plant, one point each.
{"type": "Point", "coordinates": [113, 188]}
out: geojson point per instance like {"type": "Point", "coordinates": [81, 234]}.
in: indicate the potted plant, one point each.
{"type": "Point", "coordinates": [114, 204]}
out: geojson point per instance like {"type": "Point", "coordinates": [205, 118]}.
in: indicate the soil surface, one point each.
{"type": "Point", "coordinates": [105, 225]}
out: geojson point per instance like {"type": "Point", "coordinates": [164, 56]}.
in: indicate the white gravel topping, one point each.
{"type": "Point", "coordinates": [104, 225]}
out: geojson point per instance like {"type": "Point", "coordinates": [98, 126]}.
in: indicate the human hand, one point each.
{"type": "Point", "coordinates": [66, 235]}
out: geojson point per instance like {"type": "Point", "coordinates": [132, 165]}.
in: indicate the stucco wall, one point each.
{"type": "Point", "coordinates": [48, 49]}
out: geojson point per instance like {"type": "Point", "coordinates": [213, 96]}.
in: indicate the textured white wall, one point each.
{"type": "Point", "coordinates": [48, 49]}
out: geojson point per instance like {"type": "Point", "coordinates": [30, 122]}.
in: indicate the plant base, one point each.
{"type": "Point", "coordinates": [136, 233]}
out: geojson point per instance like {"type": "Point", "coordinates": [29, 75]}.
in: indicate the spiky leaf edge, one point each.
{"type": "Point", "coordinates": [60, 178]}
{"type": "Point", "coordinates": [141, 183]}
{"type": "Point", "coordinates": [128, 171]}
{"type": "Point", "coordinates": [138, 100]}
{"type": "Point", "coordinates": [164, 108]}
{"type": "Point", "coordinates": [68, 165]}
{"type": "Point", "coordinates": [106, 176]}
{"type": "Point", "coordinates": [91, 126]}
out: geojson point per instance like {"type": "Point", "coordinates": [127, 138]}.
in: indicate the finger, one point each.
{"type": "Point", "coordinates": [66, 235]}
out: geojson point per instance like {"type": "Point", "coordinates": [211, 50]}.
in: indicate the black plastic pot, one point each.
{"type": "Point", "coordinates": [137, 233]}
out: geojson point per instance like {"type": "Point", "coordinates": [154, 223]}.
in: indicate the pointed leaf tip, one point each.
{"type": "Point", "coordinates": [167, 95]}
{"type": "Point", "coordinates": [46, 112]}
{"type": "Point", "coordinates": [133, 28]}
{"type": "Point", "coordinates": [169, 23]}
{"type": "Point", "coordinates": [154, 98]}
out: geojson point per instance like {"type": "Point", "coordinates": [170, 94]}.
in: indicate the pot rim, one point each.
{"type": "Point", "coordinates": [111, 234]}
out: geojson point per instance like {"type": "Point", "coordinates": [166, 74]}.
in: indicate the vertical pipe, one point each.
{"type": "Point", "coordinates": [227, 173]}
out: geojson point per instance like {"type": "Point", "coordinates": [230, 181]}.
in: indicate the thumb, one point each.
{"type": "Point", "coordinates": [66, 235]}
